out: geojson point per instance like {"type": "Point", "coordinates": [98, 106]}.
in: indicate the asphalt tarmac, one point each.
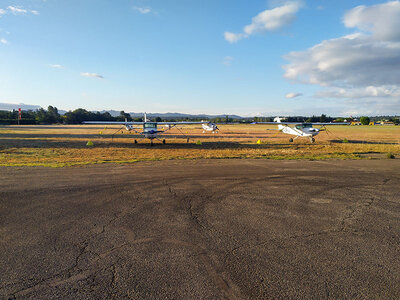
{"type": "Point", "coordinates": [203, 229]}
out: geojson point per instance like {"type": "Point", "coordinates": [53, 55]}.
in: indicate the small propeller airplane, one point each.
{"type": "Point", "coordinates": [300, 129]}
{"type": "Point", "coordinates": [149, 129]}
{"type": "Point", "coordinates": [210, 127]}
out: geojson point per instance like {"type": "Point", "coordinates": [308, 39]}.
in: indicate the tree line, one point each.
{"type": "Point", "coordinates": [52, 116]}
{"type": "Point", "coordinates": [77, 116]}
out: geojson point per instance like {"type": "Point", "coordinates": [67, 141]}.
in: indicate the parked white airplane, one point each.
{"type": "Point", "coordinates": [300, 129]}
{"type": "Point", "coordinates": [149, 129]}
{"type": "Point", "coordinates": [210, 127]}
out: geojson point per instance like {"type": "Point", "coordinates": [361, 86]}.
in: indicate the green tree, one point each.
{"type": "Point", "coordinates": [364, 120]}
{"type": "Point", "coordinates": [52, 115]}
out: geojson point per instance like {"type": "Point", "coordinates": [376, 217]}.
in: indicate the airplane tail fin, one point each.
{"type": "Point", "coordinates": [278, 120]}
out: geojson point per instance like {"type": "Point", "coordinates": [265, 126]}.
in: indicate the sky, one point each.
{"type": "Point", "coordinates": [251, 58]}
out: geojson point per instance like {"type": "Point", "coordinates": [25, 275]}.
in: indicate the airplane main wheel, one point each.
{"type": "Point", "coordinates": [187, 141]}
{"type": "Point", "coordinates": [163, 141]}
{"type": "Point", "coordinates": [151, 143]}
{"type": "Point", "coordinates": [312, 140]}
{"type": "Point", "coordinates": [291, 140]}
{"type": "Point", "coordinates": [135, 141]}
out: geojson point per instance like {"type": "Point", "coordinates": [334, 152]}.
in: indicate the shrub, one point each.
{"type": "Point", "coordinates": [390, 156]}
{"type": "Point", "coordinates": [364, 120]}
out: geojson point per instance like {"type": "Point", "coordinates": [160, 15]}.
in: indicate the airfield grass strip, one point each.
{"type": "Point", "coordinates": [35, 146]}
{"type": "Point", "coordinates": [62, 157]}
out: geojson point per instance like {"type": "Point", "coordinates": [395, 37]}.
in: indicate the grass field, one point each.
{"type": "Point", "coordinates": [59, 145]}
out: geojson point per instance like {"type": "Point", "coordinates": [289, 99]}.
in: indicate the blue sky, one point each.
{"type": "Point", "coordinates": [209, 56]}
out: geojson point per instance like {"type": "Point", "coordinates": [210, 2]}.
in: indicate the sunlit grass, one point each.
{"type": "Point", "coordinates": [59, 146]}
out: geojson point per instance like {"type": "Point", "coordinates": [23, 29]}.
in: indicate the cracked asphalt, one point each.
{"type": "Point", "coordinates": [232, 229]}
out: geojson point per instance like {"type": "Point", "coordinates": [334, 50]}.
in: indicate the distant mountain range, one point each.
{"type": "Point", "coordinates": [114, 113]}
{"type": "Point", "coordinates": [11, 106]}
{"type": "Point", "coordinates": [170, 115]}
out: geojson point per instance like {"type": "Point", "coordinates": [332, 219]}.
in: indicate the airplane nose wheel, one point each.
{"type": "Point", "coordinates": [135, 141]}
{"type": "Point", "coordinates": [312, 140]}
{"type": "Point", "coordinates": [163, 141]}
{"type": "Point", "coordinates": [291, 140]}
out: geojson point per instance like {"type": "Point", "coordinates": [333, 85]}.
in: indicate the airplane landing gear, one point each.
{"type": "Point", "coordinates": [151, 143]}
{"type": "Point", "coordinates": [163, 141]}
{"type": "Point", "coordinates": [291, 140]}
{"type": "Point", "coordinates": [135, 141]}
{"type": "Point", "coordinates": [187, 141]}
{"type": "Point", "coordinates": [312, 140]}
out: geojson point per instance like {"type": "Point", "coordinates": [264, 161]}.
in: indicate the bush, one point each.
{"type": "Point", "coordinates": [345, 140]}
{"type": "Point", "coordinates": [365, 120]}
{"type": "Point", "coordinates": [390, 156]}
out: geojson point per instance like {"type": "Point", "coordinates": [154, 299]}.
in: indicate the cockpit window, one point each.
{"type": "Point", "coordinates": [150, 125]}
{"type": "Point", "coordinates": [307, 125]}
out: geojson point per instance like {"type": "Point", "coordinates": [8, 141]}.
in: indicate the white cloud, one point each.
{"type": "Point", "coordinates": [363, 92]}
{"type": "Point", "coordinates": [4, 41]}
{"type": "Point", "coordinates": [292, 95]}
{"type": "Point", "coordinates": [86, 74]}
{"type": "Point", "coordinates": [55, 66]}
{"type": "Point", "coordinates": [2, 12]}
{"type": "Point", "coordinates": [381, 20]}
{"type": "Point", "coordinates": [360, 66]}
{"type": "Point", "coordinates": [228, 61]}
{"type": "Point", "coordinates": [268, 20]}
{"type": "Point", "coordinates": [143, 10]}
{"type": "Point", "coordinates": [18, 10]}
{"type": "Point", "coordinates": [233, 37]}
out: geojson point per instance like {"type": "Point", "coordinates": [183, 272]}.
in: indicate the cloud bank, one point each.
{"type": "Point", "coordinates": [365, 64]}
{"type": "Point", "coordinates": [267, 20]}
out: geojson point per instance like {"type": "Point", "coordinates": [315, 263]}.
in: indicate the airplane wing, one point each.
{"type": "Point", "coordinates": [181, 123]}
{"type": "Point", "coordinates": [141, 123]}
{"type": "Point", "coordinates": [112, 123]}
{"type": "Point", "coordinates": [298, 123]}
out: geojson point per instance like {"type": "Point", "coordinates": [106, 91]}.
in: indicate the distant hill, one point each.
{"type": "Point", "coordinates": [176, 115]}
{"type": "Point", "coordinates": [11, 106]}
{"type": "Point", "coordinates": [170, 115]}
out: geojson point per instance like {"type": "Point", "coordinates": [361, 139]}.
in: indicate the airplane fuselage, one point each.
{"type": "Point", "coordinates": [304, 130]}
{"type": "Point", "coordinates": [150, 130]}
{"type": "Point", "coordinates": [209, 127]}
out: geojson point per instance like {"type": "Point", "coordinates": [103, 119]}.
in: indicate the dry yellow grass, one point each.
{"type": "Point", "coordinates": [57, 146]}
